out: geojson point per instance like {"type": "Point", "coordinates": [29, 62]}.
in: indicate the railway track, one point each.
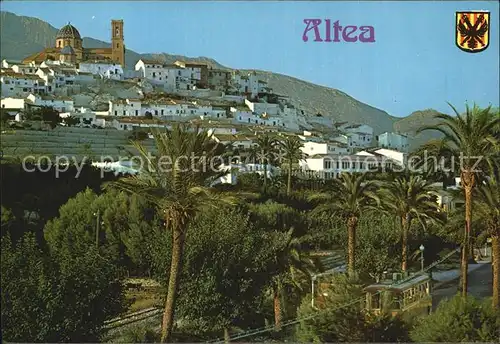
{"type": "Point", "coordinates": [132, 318]}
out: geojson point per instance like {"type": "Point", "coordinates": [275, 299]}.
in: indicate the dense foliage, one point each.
{"type": "Point", "coordinates": [50, 297]}
{"type": "Point", "coordinates": [229, 258]}
{"type": "Point", "coordinates": [459, 320]}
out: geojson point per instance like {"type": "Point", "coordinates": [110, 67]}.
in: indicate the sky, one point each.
{"type": "Point", "coordinates": [413, 64]}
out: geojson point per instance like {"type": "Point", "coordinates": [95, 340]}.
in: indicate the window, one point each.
{"type": "Point", "coordinates": [124, 112]}
{"type": "Point", "coordinates": [116, 113]}
{"type": "Point", "coordinates": [117, 45]}
{"type": "Point", "coordinates": [162, 112]}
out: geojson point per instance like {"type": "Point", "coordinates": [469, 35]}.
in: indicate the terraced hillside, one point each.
{"type": "Point", "coordinates": [74, 143]}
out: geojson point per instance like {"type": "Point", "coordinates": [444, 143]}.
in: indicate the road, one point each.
{"type": "Point", "coordinates": [480, 285]}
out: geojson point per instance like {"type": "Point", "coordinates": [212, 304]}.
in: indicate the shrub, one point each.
{"type": "Point", "coordinates": [459, 320]}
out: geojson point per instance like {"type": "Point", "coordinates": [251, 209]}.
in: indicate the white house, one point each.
{"type": "Point", "coordinates": [233, 170]}
{"type": "Point", "coordinates": [154, 71]}
{"type": "Point", "coordinates": [262, 107]}
{"type": "Point", "coordinates": [7, 64]}
{"type": "Point", "coordinates": [85, 116]}
{"type": "Point", "coordinates": [125, 107]}
{"type": "Point", "coordinates": [401, 158]}
{"type": "Point", "coordinates": [247, 84]}
{"type": "Point", "coordinates": [167, 108]}
{"type": "Point", "coordinates": [57, 76]}
{"type": "Point", "coordinates": [102, 68]}
{"type": "Point", "coordinates": [243, 115]}
{"type": "Point", "coordinates": [314, 147]}
{"type": "Point", "coordinates": [18, 104]}
{"type": "Point", "coordinates": [361, 135]}
{"type": "Point", "coordinates": [12, 84]}
{"type": "Point", "coordinates": [239, 141]}
{"type": "Point", "coordinates": [61, 104]}
{"type": "Point", "coordinates": [19, 67]}
{"type": "Point", "coordinates": [393, 141]}
{"type": "Point", "coordinates": [332, 165]}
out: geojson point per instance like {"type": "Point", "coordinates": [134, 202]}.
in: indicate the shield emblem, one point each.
{"type": "Point", "coordinates": [472, 31]}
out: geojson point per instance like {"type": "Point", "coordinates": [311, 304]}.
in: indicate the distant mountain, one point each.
{"type": "Point", "coordinates": [410, 124]}
{"type": "Point", "coordinates": [22, 36]}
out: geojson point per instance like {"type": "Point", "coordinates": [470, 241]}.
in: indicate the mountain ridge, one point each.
{"type": "Point", "coordinates": [22, 36]}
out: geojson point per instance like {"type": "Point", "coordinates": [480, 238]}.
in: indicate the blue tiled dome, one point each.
{"type": "Point", "coordinates": [68, 31]}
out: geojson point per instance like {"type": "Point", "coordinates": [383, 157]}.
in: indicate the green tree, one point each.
{"type": "Point", "coordinates": [377, 245]}
{"type": "Point", "coordinates": [175, 181]}
{"type": "Point", "coordinates": [266, 153]}
{"type": "Point", "coordinates": [351, 196]}
{"type": "Point", "coordinates": [488, 206]}
{"type": "Point", "coordinates": [45, 114]}
{"type": "Point", "coordinates": [120, 225]}
{"type": "Point", "coordinates": [292, 265]}
{"type": "Point", "coordinates": [292, 153]}
{"type": "Point", "coordinates": [225, 272]}
{"type": "Point", "coordinates": [47, 297]}
{"type": "Point", "coordinates": [459, 320]}
{"type": "Point", "coordinates": [409, 197]}
{"type": "Point", "coordinates": [470, 139]}
{"type": "Point", "coordinates": [71, 121]}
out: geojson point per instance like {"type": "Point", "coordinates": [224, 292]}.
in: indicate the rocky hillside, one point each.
{"type": "Point", "coordinates": [409, 125]}
{"type": "Point", "coordinates": [22, 36]}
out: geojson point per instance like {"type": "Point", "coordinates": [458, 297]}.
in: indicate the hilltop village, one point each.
{"type": "Point", "coordinates": [261, 220]}
{"type": "Point", "coordinates": [91, 88]}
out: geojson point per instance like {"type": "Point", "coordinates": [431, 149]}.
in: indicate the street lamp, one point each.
{"type": "Point", "coordinates": [422, 257]}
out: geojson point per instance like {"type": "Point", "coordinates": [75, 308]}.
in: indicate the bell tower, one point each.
{"type": "Point", "coordinates": [117, 42]}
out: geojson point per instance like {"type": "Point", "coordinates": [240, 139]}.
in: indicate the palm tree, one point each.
{"type": "Point", "coordinates": [409, 197]}
{"type": "Point", "coordinates": [488, 206]}
{"type": "Point", "coordinates": [352, 194]}
{"type": "Point", "coordinates": [291, 151]}
{"type": "Point", "coordinates": [470, 139]}
{"type": "Point", "coordinates": [267, 148]}
{"type": "Point", "coordinates": [292, 265]}
{"type": "Point", "coordinates": [176, 181]}
{"type": "Point", "coordinates": [252, 154]}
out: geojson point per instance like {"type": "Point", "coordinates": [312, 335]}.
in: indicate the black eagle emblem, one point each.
{"type": "Point", "coordinates": [473, 35]}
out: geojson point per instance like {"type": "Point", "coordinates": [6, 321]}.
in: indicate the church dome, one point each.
{"type": "Point", "coordinates": [68, 50]}
{"type": "Point", "coordinates": [68, 31]}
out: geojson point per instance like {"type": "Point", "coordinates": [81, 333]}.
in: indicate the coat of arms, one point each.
{"type": "Point", "coordinates": [472, 31]}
